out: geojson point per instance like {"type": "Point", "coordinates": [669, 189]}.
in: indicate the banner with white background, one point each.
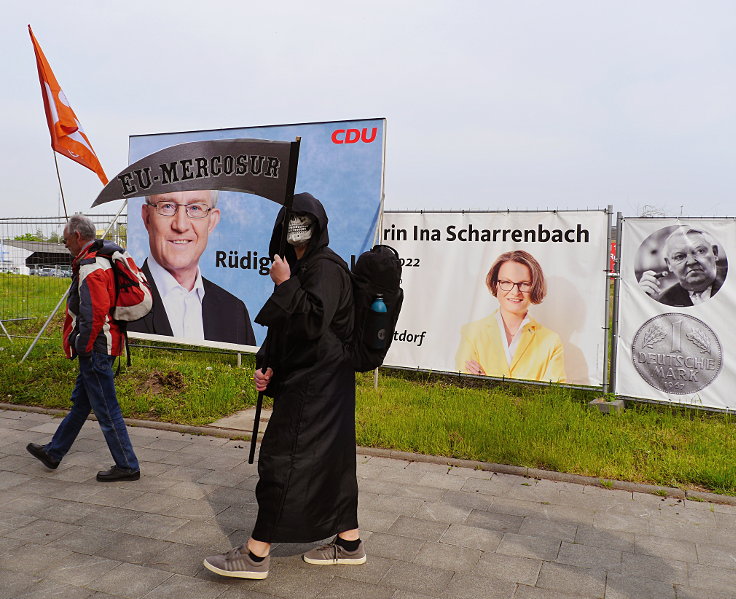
{"type": "Point", "coordinates": [676, 306]}
{"type": "Point", "coordinates": [446, 257]}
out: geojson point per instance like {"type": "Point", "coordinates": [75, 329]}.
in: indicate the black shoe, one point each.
{"type": "Point", "coordinates": [39, 452]}
{"type": "Point", "coordinates": [118, 473]}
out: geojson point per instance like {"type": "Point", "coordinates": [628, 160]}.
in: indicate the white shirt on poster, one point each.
{"type": "Point", "coordinates": [510, 348]}
{"type": "Point", "coordinates": [183, 307]}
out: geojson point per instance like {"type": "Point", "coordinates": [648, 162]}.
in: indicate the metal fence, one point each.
{"type": "Point", "coordinates": [35, 267]}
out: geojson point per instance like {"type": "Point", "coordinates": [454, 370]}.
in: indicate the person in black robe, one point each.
{"type": "Point", "coordinates": [307, 490]}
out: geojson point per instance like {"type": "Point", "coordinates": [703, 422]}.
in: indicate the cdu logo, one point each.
{"type": "Point", "coordinates": [352, 136]}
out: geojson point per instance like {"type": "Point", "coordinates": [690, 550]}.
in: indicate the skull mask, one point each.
{"type": "Point", "coordinates": [300, 229]}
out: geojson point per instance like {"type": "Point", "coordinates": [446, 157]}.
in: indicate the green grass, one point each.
{"type": "Point", "coordinates": [543, 427]}
{"type": "Point", "coordinates": [24, 296]}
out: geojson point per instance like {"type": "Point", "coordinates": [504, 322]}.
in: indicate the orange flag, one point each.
{"type": "Point", "coordinates": [67, 136]}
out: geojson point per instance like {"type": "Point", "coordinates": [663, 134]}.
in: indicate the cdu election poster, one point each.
{"type": "Point", "coordinates": [220, 237]}
{"type": "Point", "coordinates": [675, 304]}
{"type": "Point", "coordinates": [518, 295]}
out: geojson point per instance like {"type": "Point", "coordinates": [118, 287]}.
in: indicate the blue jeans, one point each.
{"type": "Point", "coordinates": [95, 390]}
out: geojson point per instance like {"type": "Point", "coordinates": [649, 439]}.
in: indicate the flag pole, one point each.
{"type": "Point", "coordinates": [61, 189]}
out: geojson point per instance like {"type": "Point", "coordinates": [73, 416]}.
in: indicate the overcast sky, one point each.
{"type": "Point", "coordinates": [490, 104]}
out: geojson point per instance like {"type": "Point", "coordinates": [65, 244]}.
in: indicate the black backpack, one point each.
{"type": "Point", "coordinates": [376, 272]}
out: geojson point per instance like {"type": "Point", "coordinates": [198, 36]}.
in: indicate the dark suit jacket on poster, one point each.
{"type": "Point", "coordinates": [678, 296]}
{"type": "Point", "coordinates": [225, 317]}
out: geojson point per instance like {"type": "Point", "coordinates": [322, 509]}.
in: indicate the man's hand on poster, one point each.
{"type": "Point", "coordinates": [262, 379]}
{"type": "Point", "coordinates": [474, 368]}
{"type": "Point", "coordinates": [649, 282]}
{"type": "Point", "coordinates": [280, 270]}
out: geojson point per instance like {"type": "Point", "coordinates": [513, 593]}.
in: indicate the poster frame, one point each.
{"type": "Point", "coordinates": [619, 256]}
{"type": "Point", "coordinates": [607, 372]}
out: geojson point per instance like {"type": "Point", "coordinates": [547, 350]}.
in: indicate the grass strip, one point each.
{"type": "Point", "coordinates": [551, 428]}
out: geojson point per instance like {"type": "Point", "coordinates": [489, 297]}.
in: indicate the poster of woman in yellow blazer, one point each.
{"type": "Point", "coordinates": [509, 342]}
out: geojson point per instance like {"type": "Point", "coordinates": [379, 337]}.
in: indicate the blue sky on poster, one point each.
{"type": "Point", "coordinates": [489, 104]}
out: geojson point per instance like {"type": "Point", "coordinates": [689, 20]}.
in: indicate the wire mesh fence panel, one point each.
{"type": "Point", "coordinates": [35, 267]}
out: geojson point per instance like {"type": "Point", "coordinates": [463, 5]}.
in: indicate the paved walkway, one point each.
{"type": "Point", "coordinates": [430, 530]}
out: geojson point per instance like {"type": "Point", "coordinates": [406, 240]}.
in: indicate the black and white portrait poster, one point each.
{"type": "Point", "coordinates": [675, 311]}
{"type": "Point", "coordinates": [516, 295]}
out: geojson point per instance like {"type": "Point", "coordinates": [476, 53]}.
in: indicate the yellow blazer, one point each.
{"type": "Point", "coordinates": [538, 357]}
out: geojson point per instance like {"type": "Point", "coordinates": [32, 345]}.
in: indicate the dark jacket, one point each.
{"type": "Point", "coordinates": [678, 296]}
{"type": "Point", "coordinates": [224, 316]}
{"type": "Point", "coordinates": [307, 488]}
{"type": "Point", "coordinates": [89, 325]}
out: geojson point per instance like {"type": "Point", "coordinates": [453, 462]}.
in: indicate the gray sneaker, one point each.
{"type": "Point", "coordinates": [237, 564]}
{"type": "Point", "coordinates": [335, 554]}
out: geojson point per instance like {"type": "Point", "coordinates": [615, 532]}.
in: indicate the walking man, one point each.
{"type": "Point", "coordinates": [307, 489]}
{"type": "Point", "coordinates": [91, 334]}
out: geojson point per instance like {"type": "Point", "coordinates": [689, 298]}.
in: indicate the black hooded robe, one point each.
{"type": "Point", "coordinates": [307, 488]}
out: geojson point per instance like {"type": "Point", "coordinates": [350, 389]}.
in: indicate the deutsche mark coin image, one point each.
{"type": "Point", "coordinates": [677, 353]}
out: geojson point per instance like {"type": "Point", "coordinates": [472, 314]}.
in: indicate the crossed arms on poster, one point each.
{"type": "Point", "coordinates": [180, 185]}
{"type": "Point", "coordinates": [509, 343]}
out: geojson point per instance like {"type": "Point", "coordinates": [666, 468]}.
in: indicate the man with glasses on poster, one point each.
{"type": "Point", "coordinates": [186, 305]}
{"type": "Point", "coordinates": [692, 257]}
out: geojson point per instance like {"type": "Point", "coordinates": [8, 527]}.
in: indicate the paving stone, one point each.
{"type": "Point", "coordinates": [572, 580]}
{"type": "Point", "coordinates": [115, 496]}
{"type": "Point", "coordinates": [285, 580]}
{"type": "Point", "coordinates": [178, 587]}
{"type": "Point", "coordinates": [187, 489]}
{"type": "Point", "coordinates": [709, 577]}
{"type": "Point", "coordinates": [48, 589]}
{"type": "Point", "coordinates": [155, 503]}
{"type": "Point", "coordinates": [132, 549]}
{"type": "Point", "coordinates": [393, 547]}
{"type": "Point", "coordinates": [456, 559]}
{"type": "Point", "coordinates": [441, 481]}
{"type": "Point", "coordinates": [129, 580]}
{"type": "Point", "coordinates": [692, 593]}
{"type": "Point", "coordinates": [533, 547]}
{"type": "Point", "coordinates": [474, 501]}
{"type": "Point", "coordinates": [230, 495]}
{"type": "Point", "coordinates": [416, 578]}
{"type": "Point", "coordinates": [155, 526]}
{"type": "Point", "coordinates": [464, 586]}
{"type": "Point", "coordinates": [109, 518]}
{"type": "Point", "coordinates": [13, 479]}
{"type": "Point", "coordinates": [472, 536]}
{"type": "Point", "coordinates": [342, 588]}
{"type": "Point", "coordinates": [622, 523]}
{"type": "Point", "coordinates": [606, 539]}
{"type": "Point", "coordinates": [374, 520]}
{"type": "Point", "coordinates": [583, 556]}
{"type": "Point", "coordinates": [204, 533]}
{"type": "Point", "coordinates": [621, 586]}
{"type": "Point", "coordinates": [80, 569]}
{"type": "Point", "coordinates": [88, 540]}
{"type": "Point", "coordinates": [666, 548]}
{"type": "Point", "coordinates": [521, 570]}
{"type": "Point", "coordinates": [654, 567]}
{"type": "Point", "coordinates": [372, 571]}
{"type": "Point", "coordinates": [418, 529]}
{"type": "Point", "coordinates": [15, 583]}
{"type": "Point", "coordinates": [494, 521]}
{"type": "Point", "coordinates": [540, 527]}
{"type": "Point", "coordinates": [441, 512]}
{"type": "Point", "coordinates": [398, 505]}
{"type": "Point", "coordinates": [716, 555]}
{"type": "Point", "coordinates": [42, 531]}
{"type": "Point", "coordinates": [11, 521]}
{"type": "Point", "coordinates": [32, 558]}
{"type": "Point", "coordinates": [196, 509]}
{"type": "Point", "coordinates": [527, 592]}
